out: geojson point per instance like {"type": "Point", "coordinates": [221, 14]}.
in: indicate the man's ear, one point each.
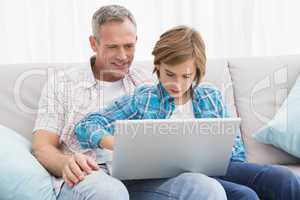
{"type": "Point", "coordinates": [93, 43]}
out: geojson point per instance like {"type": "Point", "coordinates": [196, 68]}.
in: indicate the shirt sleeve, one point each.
{"type": "Point", "coordinates": [220, 105]}
{"type": "Point", "coordinates": [91, 129]}
{"type": "Point", "coordinates": [51, 111]}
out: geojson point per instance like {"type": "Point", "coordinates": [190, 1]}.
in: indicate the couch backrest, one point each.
{"type": "Point", "coordinates": [20, 88]}
{"type": "Point", "coordinates": [260, 86]}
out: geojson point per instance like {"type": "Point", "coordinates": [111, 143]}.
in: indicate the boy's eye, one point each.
{"type": "Point", "coordinates": [168, 74]}
{"type": "Point", "coordinates": [186, 76]}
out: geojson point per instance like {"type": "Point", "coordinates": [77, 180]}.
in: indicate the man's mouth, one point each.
{"type": "Point", "coordinates": [120, 65]}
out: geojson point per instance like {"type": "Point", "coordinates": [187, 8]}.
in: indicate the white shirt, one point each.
{"type": "Point", "coordinates": [184, 111]}
{"type": "Point", "coordinates": [110, 91]}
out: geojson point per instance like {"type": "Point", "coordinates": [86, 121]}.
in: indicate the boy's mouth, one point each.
{"type": "Point", "coordinates": [175, 91]}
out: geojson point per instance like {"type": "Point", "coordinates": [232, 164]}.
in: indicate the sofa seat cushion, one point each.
{"type": "Point", "coordinates": [293, 168]}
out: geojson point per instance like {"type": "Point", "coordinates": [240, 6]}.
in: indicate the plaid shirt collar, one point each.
{"type": "Point", "coordinates": [163, 94]}
{"type": "Point", "coordinates": [168, 101]}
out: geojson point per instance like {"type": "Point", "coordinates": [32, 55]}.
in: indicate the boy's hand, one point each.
{"type": "Point", "coordinates": [76, 167]}
{"type": "Point", "coordinates": [107, 142]}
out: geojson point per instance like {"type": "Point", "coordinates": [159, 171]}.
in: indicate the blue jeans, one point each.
{"type": "Point", "coordinates": [253, 181]}
{"type": "Point", "coordinates": [187, 186]}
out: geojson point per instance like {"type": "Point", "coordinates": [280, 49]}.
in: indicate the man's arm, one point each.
{"type": "Point", "coordinates": [45, 144]}
{"type": "Point", "coordinates": [71, 167]}
{"type": "Point", "coordinates": [45, 149]}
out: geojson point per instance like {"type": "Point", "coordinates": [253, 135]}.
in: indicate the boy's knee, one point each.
{"type": "Point", "coordinates": [203, 186]}
{"type": "Point", "coordinates": [285, 183]}
{"type": "Point", "coordinates": [245, 193]}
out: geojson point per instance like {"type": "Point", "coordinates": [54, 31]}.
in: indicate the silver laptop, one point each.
{"type": "Point", "coordinates": [148, 149]}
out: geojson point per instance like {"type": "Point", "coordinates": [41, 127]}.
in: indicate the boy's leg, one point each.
{"type": "Point", "coordinates": [268, 181]}
{"type": "Point", "coordinates": [187, 186]}
{"type": "Point", "coordinates": [236, 191]}
{"type": "Point", "coordinates": [96, 186]}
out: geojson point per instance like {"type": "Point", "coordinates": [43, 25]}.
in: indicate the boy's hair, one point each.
{"type": "Point", "coordinates": [178, 45]}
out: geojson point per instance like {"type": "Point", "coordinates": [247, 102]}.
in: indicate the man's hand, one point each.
{"type": "Point", "coordinates": [73, 168]}
{"type": "Point", "coordinates": [76, 167]}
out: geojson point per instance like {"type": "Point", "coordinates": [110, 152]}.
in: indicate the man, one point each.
{"type": "Point", "coordinates": [70, 94]}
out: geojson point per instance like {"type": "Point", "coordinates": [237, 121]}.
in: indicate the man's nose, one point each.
{"type": "Point", "coordinates": [122, 54]}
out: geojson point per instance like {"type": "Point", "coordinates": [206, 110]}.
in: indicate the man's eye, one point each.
{"type": "Point", "coordinates": [170, 74]}
{"type": "Point", "coordinates": [129, 46]}
{"type": "Point", "coordinates": [112, 47]}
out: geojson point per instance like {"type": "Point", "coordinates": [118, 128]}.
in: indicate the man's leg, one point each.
{"type": "Point", "coordinates": [268, 181]}
{"type": "Point", "coordinates": [96, 186]}
{"type": "Point", "coordinates": [187, 186]}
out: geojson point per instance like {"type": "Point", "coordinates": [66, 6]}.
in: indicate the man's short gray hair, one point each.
{"type": "Point", "coordinates": [110, 13]}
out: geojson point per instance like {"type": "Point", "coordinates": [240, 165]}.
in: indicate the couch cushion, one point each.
{"type": "Point", "coordinates": [261, 84]}
{"type": "Point", "coordinates": [215, 68]}
{"type": "Point", "coordinates": [293, 168]}
{"type": "Point", "coordinates": [19, 92]}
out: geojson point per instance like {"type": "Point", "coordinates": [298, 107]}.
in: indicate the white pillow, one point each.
{"type": "Point", "coordinates": [22, 176]}
{"type": "Point", "coordinates": [283, 131]}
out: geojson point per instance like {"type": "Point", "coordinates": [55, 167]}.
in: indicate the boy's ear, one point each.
{"type": "Point", "coordinates": [156, 70]}
{"type": "Point", "coordinates": [157, 67]}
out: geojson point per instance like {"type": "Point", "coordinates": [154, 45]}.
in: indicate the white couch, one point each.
{"type": "Point", "coordinates": [253, 89]}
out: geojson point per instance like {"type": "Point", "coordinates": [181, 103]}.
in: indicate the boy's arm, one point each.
{"type": "Point", "coordinates": [222, 109]}
{"type": "Point", "coordinates": [238, 150]}
{"type": "Point", "coordinates": [96, 129]}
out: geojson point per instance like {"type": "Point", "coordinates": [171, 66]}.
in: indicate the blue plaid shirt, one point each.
{"type": "Point", "coordinates": [152, 102]}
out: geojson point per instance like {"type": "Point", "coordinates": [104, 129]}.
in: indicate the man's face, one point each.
{"type": "Point", "coordinates": [177, 79]}
{"type": "Point", "coordinates": [114, 49]}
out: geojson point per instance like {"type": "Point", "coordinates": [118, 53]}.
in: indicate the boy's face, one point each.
{"type": "Point", "coordinates": [177, 79]}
